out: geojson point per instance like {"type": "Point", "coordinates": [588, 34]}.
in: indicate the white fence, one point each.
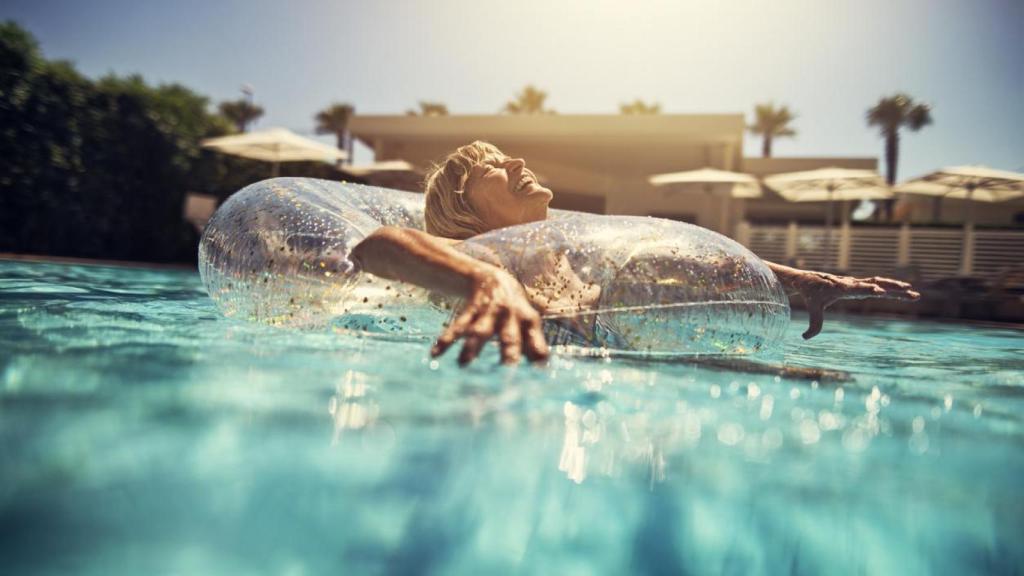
{"type": "Point", "coordinates": [928, 253]}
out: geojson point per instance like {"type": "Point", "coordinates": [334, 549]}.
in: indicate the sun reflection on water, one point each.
{"type": "Point", "coordinates": [349, 407]}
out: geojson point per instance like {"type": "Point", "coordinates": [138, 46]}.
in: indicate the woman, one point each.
{"type": "Point", "coordinates": [477, 188]}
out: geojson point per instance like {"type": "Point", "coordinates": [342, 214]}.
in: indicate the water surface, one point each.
{"type": "Point", "coordinates": [142, 433]}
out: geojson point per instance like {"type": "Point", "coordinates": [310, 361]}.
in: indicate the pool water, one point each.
{"type": "Point", "coordinates": [143, 433]}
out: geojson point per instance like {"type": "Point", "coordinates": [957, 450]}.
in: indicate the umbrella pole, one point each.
{"type": "Point", "coordinates": [274, 170]}
{"type": "Point", "coordinates": [726, 216]}
{"type": "Point", "coordinates": [967, 258]}
{"type": "Point", "coordinates": [970, 206]}
{"type": "Point", "coordinates": [828, 230]}
{"type": "Point", "coordinates": [843, 255]}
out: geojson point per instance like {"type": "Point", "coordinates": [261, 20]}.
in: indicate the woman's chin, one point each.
{"type": "Point", "coordinates": [543, 201]}
{"type": "Point", "coordinates": [541, 194]}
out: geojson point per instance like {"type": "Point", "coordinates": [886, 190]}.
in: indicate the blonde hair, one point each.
{"type": "Point", "coordinates": [448, 212]}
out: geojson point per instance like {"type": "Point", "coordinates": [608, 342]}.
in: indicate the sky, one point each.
{"type": "Point", "coordinates": [828, 60]}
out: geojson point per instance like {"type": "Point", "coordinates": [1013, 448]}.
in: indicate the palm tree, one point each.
{"type": "Point", "coordinates": [241, 113]}
{"type": "Point", "coordinates": [639, 108]}
{"type": "Point", "coordinates": [770, 123]}
{"type": "Point", "coordinates": [429, 109]}
{"type": "Point", "coordinates": [334, 120]}
{"type": "Point", "coordinates": [891, 114]}
{"type": "Point", "coordinates": [529, 101]}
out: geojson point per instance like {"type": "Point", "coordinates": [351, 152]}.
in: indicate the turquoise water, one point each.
{"type": "Point", "coordinates": [142, 433]}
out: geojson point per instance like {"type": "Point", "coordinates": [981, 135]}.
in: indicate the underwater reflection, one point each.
{"type": "Point", "coordinates": [350, 407]}
{"type": "Point", "coordinates": [582, 430]}
{"type": "Point", "coordinates": [626, 439]}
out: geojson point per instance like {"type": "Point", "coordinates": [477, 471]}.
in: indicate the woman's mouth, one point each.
{"type": "Point", "coordinates": [524, 181]}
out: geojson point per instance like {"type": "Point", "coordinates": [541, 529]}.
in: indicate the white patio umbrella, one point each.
{"type": "Point", "coordinates": [828, 185]}
{"type": "Point", "coordinates": [723, 183]}
{"type": "Point", "coordinates": [397, 174]}
{"type": "Point", "coordinates": [972, 183]}
{"type": "Point", "coordinates": [710, 180]}
{"type": "Point", "coordinates": [378, 167]}
{"type": "Point", "coordinates": [275, 145]}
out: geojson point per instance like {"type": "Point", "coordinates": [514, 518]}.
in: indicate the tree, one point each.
{"type": "Point", "coordinates": [771, 122]}
{"type": "Point", "coordinates": [889, 115]}
{"type": "Point", "coordinates": [334, 120]}
{"type": "Point", "coordinates": [639, 108]}
{"type": "Point", "coordinates": [241, 113]}
{"type": "Point", "coordinates": [529, 101]}
{"type": "Point", "coordinates": [429, 109]}
{"type": "Point", "coordinates": [42, 110]}
{"type": "Point", "coordinates": [142, 151]}
{"type": "Point", "coordinates": [97, 169]}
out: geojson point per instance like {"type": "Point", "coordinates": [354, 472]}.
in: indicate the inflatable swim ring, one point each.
{"type": "Point", "coordinates": [277, 252]}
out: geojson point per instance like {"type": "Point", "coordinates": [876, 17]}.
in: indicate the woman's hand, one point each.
{"type": "Point", "coordinates": [496, 305]}
{"type": "Point", "coordinates": [820, 290]}
{"type": "Point", "coordinates": [495, 302]}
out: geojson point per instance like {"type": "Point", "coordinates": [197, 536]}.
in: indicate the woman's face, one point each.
{"type": "Point", "coordinates": [505, 193]}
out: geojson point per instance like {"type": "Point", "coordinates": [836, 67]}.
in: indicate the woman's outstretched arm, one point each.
{"type": "Point", "coordinates": [495, 302]}
{"type": "Point", "coordinates": [820, 290]}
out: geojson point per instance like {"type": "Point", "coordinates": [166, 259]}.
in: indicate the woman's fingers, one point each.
{"type": "Point", "coordinates": [516, 335]}
{"type": "Point", "coordinates": [511, 341]}
{"type": "Point", "coordinates": [887, 288]}
{"type": "Point", "coordinates": [900, 292]}
{"type": "Point", "coordinates": [867, 289]}
{"type": "Point", "coordinates": [888, 283]}
{"type": "Point", "coordinates": [891, 288]}
{"type": "Point", "coordinates": [476, 336]}
{"type": "Point", "coordinates": [453, 332]}
{"type": "Point", "coordinates": [817, 312]}
{"type": "Point", "coordinates": [534, 343]}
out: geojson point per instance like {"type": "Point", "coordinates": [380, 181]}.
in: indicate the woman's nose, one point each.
{"type": "Point", "coordinates": [515, 163]}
